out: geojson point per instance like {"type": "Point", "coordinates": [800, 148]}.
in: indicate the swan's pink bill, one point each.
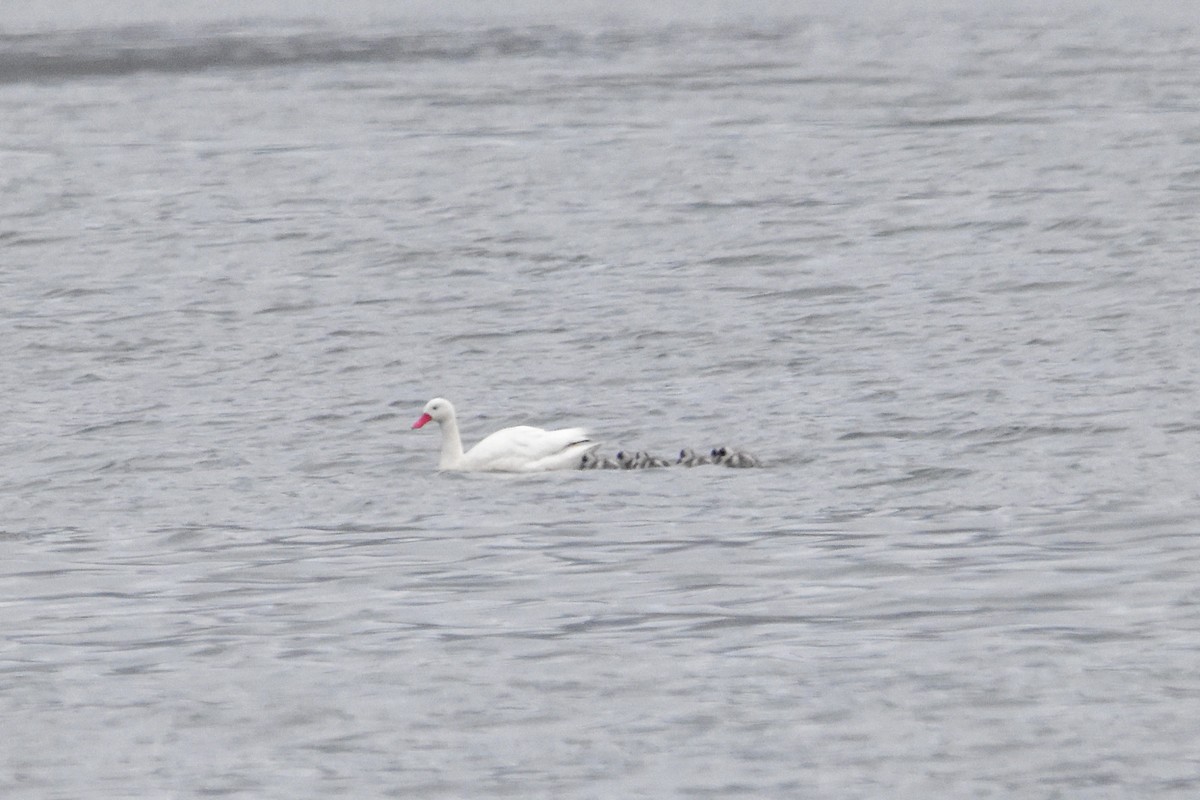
{"type": "Point", "coordinates": [424, 418]}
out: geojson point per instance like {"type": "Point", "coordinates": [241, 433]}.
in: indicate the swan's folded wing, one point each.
{"type": "Point", "coordinates": [569, 457]}
{"type": "Point", "coordinates": [525, 448]}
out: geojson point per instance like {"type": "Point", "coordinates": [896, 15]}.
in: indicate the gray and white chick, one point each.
{"type": "Point", "coordinates": [733, 458]}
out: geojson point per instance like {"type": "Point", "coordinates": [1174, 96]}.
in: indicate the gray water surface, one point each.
{"type": "Point", "coordinates": [936, 269]}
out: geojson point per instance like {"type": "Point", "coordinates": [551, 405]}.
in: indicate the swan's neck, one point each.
{"type": "Point", "coordinates": [452, 452]}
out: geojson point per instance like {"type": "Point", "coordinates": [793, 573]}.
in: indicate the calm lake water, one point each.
{"type": "Point", "coordinates": [937, 267]}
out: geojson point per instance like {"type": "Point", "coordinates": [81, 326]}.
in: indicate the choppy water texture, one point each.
{"type": "Point", "coordinates": [936, 268]}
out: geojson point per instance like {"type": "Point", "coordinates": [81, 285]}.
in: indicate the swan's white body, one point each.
{"type": "Point", "coordinates": [518, 449]}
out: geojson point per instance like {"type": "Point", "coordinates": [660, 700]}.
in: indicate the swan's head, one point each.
{"type": "Point", "coordinates": [436, 410]}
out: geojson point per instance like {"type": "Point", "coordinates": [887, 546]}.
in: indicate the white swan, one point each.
{"type": "Point", "coordinates": [519, 449]}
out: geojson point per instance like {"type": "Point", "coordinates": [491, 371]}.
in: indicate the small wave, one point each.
{"type": "Point", "coordinates": [982, 120]}
{"type": "Point", "coordinates": [809, 292]}
{"type": "Point", "coordinates": [919, 476]}
{"type": "Point", "coordinates": [1005, 434]}
{"type": "Point", "coordinates": [122, 51]}
{"type": "Point", "coordinates": [879, 434]}
{"type": "Point", "coordinates": [1020, 287]}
